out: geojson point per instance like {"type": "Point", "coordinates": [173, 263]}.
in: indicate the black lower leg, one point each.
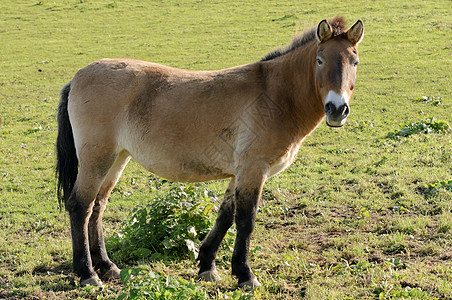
{"type": "Point", "coordinates": [211, 243]}
{"type": "Point", "coordinates": [79, 216]}
{"type": "Point", "coordinates": [245, 214]}
{"type": "Point", "coordinates": [96, 240]}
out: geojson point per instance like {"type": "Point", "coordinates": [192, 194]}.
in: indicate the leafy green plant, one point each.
{"type": "Point", "coordinates": [430, 100]}
{"type": "Point", "coordinates": [435, 188]}
{"type": "Point", "coordinates": [429, 125]}
{"type": "Point", "coordinates": [399, 292]}
{"type": "Point", "coordinates": [172, 224]}
{"type": "Point", "coordinates": [143, 284]}
{"type": "Point", "coordinates": [438, 185]}
{"type": "Point", "coordinates": [359, 268]}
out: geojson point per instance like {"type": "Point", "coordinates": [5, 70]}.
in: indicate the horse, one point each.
{"type": "Point", "coordinates": [244, 123]}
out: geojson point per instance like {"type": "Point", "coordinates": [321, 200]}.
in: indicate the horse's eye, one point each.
{"type": "Point", "coordinates": [319, 61]}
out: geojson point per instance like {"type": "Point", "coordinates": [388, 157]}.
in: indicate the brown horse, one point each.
{"type": "Point", "coordinates": [244, 123]}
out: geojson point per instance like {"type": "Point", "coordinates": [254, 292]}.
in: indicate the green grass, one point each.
{"type": "Point", "coordinates": [359, 215]}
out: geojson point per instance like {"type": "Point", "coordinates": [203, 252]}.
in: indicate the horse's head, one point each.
{"type": "Point", "coordinates": [337, 60]}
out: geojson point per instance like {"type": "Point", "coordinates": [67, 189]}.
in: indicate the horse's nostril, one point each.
{"type": "Point", "coordinates": [330, 109]}
{"type": "Point", "coordinates": [346, 110]}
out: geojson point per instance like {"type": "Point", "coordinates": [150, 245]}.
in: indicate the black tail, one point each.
{"type": "Point", "coordinates": [67, 162]}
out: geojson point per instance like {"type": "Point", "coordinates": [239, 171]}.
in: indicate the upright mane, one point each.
{"type": "Point", "coordinates": [337, 23]}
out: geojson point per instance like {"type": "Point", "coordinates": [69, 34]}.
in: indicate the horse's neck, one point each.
{"type": "Point", "coordinates": [294, 86]}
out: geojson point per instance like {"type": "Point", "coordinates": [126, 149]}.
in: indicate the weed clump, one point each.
{"type": "Point", "coordinates": [435, 101]}
{"type": "Point", "coordinates": [437, 185]}
{"type": "Point", "coordinates": [142, 284]}
{"type": "Point", "coordinates": [153, 286]}
{"type": "Point", "coordinates": [427, 126]}
{"type": "Point", "coordinates": [432, 189]}
{"type": "Point", "coordinates": [174, 224]}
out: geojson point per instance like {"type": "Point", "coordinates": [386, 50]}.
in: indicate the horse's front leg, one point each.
{"type": "Point", "coordinates": [247, 194]}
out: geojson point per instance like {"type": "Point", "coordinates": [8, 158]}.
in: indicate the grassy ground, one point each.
{"type": "Point", "coordinates": [352, 218]}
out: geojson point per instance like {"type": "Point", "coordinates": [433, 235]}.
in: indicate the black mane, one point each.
{"type": "Point", "coordinates": [338, 24]}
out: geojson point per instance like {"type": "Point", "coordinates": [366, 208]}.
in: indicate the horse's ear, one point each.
{"type": "Point", "coordinates": [356, 33]}
{"type": "Point", "coordinates": [324, 31]}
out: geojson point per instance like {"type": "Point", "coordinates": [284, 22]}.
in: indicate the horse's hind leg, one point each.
{"type": "Point", "coordinates": [107, 269]}
{"type": "Point", "coordinates": [211, 243]}
{"type": "Point", "coordinates": [92, 172]}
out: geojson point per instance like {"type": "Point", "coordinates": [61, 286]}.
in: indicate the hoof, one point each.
{"type": "Point", "coordinates": [250, 284]}
{"type": "Point", "coordinates": [211, 275]}
{"type": "Point", "coordinates": [111, 274]}
{"type": "Point", "coordinates": [93, 281]}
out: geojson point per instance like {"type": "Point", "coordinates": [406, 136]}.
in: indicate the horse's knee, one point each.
{"type": "Point", "coordinates": [246, 202]}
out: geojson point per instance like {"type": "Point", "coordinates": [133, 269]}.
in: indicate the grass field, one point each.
{"type": "Point", "coordinates": [365, 212]}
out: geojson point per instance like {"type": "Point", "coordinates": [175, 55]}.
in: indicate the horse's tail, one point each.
{"type": "Point", "coordinates": [67, 162]}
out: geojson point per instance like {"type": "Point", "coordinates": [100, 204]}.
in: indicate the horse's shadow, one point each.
{"type": "Point", "coordinates": [64, 279]}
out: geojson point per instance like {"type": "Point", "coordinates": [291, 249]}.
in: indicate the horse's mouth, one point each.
{"type": "Point", "coordinates": [335, 123]}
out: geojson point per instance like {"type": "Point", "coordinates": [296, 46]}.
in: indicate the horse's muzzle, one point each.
{"type": "Point", "coordinates": [336, 110]}
{"type": "Point", "coordinates": [336, 116]}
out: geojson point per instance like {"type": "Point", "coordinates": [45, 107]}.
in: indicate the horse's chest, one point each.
{"type": "Point", "coordinates": [285, 160]}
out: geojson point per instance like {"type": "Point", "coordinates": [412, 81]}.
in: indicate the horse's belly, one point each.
{"type": "Point", "coordinates": [181, 161]}
{"type": "Point", "coordinates": [185, 170]}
